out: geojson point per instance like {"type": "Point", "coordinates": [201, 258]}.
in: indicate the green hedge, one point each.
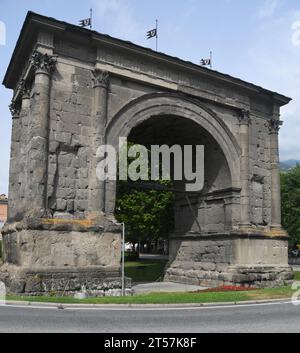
{"type": "Point", "coordinates": [131, 256]}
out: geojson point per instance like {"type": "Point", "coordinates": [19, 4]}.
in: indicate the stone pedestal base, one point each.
{"type": "Point", "coordinates": [62, 257]}
{"type": "Point", "coordinates": [253, 277]}
{"type": "Point", "coordinates": [62, 281]}
{"type": "Point", "coordinates": [240, 260]}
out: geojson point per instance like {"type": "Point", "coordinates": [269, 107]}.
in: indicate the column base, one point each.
{"type": "Point", "coordinates": [62, 257]}
{"type": "Point", "coordinates": [223, 260]}
{"type": "Point", "coordinates": [62, 281]}
{"type": "Point", "coordinates": [244, 276]}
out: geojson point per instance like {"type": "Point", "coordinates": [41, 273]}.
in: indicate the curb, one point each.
{"type": "Point", "coordinates": [142, 306]}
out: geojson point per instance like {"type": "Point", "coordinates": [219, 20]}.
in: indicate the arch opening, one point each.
{"type": "Point", "coordinates": [204, 220]}
{"type": "Point", "coordinates": [173, 130]}
{"type": "Point", "coordinates": [193, 213]}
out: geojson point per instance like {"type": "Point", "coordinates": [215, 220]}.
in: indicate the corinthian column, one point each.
{"type": "Point", "coordinates": [25, 92]}
{"type": "Point", "coordinates": [97, 187]}
{"type": "Point", "coordinates": [13, 167]}
{"type": "Point", "coordinates": [245, 121]}
{"type": "Point", "coordinates": [274, 126]}
{"type": "Point", "coordinates": [43, 65]}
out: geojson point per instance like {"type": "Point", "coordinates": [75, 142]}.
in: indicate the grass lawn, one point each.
{"type": "Point", "coordinates": [174, 298]}
{"type": "Point", "coordinates": [297, 276]}
{"type": "Point", "coordinates": [145, 270]}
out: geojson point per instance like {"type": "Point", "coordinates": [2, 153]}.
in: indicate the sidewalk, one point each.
{"type": "Point", "coordinates": [154, 257]}
{"type": "Point", "coordinates": [160, 287]}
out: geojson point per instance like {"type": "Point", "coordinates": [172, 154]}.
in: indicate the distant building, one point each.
{"type": "Point", "coordinates": [3, 210]}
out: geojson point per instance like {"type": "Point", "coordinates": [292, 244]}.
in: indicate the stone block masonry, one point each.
{"type": "Point", "coordinates": [74, 90]}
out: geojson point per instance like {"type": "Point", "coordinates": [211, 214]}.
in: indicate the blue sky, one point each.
{"type": "Point", "coordinates": [250, 39]}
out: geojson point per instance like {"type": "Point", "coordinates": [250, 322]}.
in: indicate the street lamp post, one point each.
{"type": "Point", "coordinates": [123, 260]}
{"type": "Point", "coordinates": [123, 255]}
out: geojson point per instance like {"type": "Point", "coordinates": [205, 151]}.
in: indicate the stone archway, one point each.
{"type": "Point", "coordinates": [220, 252]}
{"type": "Point", "coordinates": [76, 91]}
{"type": "Point", "coordinates": [217, 208]}
{"type": "Point", "coordinates": [162, 105]}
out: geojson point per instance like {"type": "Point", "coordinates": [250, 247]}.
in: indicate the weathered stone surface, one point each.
{"type": "Point", "coordinates": [266, 269]}
{"type": "Point", "coordinates": [56, 249]}
{"type": "Point", "coordinates": [79, 92]}
{"type": "Point", "coordinates": [99, 281]}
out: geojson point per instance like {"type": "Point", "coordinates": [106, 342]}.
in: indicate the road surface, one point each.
{"type": "Point", "coordinates": [275, 317]}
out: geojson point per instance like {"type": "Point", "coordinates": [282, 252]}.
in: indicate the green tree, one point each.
{"type": "Point", "coordinates": [290, 193]}
{"type": "Point", "coordinates": [148, 213]}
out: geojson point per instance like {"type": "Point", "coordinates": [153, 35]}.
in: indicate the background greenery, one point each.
{"type": "Point", "coordinates": [290, 195]}
{"type": "Point", "coordinates": [146, 271]}
{"type": "Point", "coordinates": [148, 213]}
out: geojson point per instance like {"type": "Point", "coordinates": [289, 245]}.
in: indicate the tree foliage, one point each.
{"type": "Point", "coordinates": [147, 213]}
{"type": "Point", "coordinates": [290, 193]}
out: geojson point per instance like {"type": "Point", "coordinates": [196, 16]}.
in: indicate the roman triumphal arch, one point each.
{"type": "Point", "coordinates": [75, 90]}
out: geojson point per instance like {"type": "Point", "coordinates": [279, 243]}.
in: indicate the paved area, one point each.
{"type": "Point", "coordinates": [278, 317]}
{"type": "Point", "coordinates": [154, 257]}
{"type": "Point", "coordinates": [170, 286]}
{"type": "Point", "coordinates": [157, 287]}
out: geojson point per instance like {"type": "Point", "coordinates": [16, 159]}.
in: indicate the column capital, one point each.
{"type": "Point", "coordinates": [43, 63]}
{"type": "Point", "coordinates": [244, 117]}
{"type": "Point", "coordinates": [15, 109]}
{"type": "Point", "coordinates": [274, 125]}
{"type": "Point", "coordinates": [100, 78]}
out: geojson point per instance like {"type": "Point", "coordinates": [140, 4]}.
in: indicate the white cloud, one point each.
{"type": "Point", "coordinates": [117, 18]}
{"type": "Point", "coordinates": [269, 8]}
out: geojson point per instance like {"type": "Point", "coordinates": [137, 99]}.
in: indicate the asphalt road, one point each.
{"type": "Point", "coordinates": [277, 317]}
